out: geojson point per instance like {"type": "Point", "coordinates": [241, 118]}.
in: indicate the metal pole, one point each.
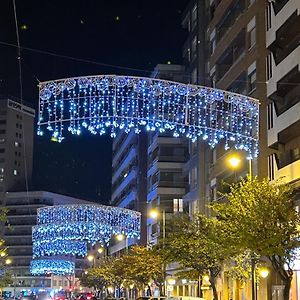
{"type": "Point", "coordinates": [253, 284]}
{"type": "Point", "coordinates": [164, 224]}
{"type": "Point", "coordinates": [250, 169]}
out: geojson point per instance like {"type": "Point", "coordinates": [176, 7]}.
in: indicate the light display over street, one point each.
{"type": "Point", "coordinates": [108, 103]}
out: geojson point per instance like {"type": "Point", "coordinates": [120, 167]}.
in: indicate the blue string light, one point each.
{"type": "Point", "coordinates": [65, 230]}
{"type": "Point", "coordinates": [111, 103]}
{"type": "Point", "coordinates": [55, 267]}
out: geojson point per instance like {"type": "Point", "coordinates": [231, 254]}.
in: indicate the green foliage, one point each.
{"type": "Point", "coordinates": [138, 267]}
{"type": "Point", "coordinates": [259, 217]}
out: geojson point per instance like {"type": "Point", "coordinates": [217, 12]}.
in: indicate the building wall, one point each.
{"type": "Point", "coordinates": [16, 144]}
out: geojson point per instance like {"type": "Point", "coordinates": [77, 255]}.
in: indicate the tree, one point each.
{"type": "Point", "coordinates": [195, 245]}
{"type": "Point", "coordinates": [259, 217]}
{"type": "Point", "coordinates": [143, 265]}
{"type": "Point", "coordinates": [139, 266]}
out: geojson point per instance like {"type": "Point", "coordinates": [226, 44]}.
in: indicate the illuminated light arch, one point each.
{"type": "Point", "coordinates": [110, 103]}
{"type": "Point", "coordinates": [66, 230]}
{"type": "Point", "coordinates": [51, 266]}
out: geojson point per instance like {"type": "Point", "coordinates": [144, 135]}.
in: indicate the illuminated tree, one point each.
{"type": "Point", "coordinates": [259, 217]}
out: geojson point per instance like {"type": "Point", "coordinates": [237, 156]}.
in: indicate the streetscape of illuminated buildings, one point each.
{"type": "Point", "coordinates": [247, 47]}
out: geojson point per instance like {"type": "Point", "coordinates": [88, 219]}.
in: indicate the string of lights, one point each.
{"type": "Point", "coordinates": [65, 230]}
{"type": "Point", "coordinates": [108, 103]}
{"type": "Point", "coordinates": [51, 266]}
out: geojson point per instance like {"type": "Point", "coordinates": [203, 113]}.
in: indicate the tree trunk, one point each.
{"type": "Point", "coordinates": [149, 290]}
{"type": "Point", "coordinates": [200, 292]}
{"type": "Point", "coordinates": [286, 291]}
{"type": "Point", "coordinates": [285, 275]}
{"type": "Point", "coordinates": [214, 288]}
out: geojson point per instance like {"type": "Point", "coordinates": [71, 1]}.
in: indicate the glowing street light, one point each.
{"type": "Point", "coordinates": [100, 250]}
{"type": "Point", "coordinates": [234, 161]}
{"type": "Point", "coordinates": [120, 237]}
{"type": "Point", "coordinates": [264, 272]}
{"type": "Point", "coordinates": [90, 258]}
{"type": "Point", "coordinates": [153, 214]}
{"type": "Point", "coordinates": [171, 281]}
{"type": "Point", "coordinates": [8, 261]}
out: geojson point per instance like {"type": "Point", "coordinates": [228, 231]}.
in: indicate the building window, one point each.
{"type": "Point", "coordinates": [2, 122]}
{"type": "Point", "coordinates": [193, 178]}
{"type": "Point", "coordinates": [268, 16]}
{"type": "Point", "coordinates": [252, 78]}
{"type": "Point", "coordinates": [194, 76]}
{"type": "Point", "coordinates": [295, 153]}
{"type": "Point", "coordinates": [270, 116]}
{"type": "Point", "coordinates": [177, 205]}
{"type": "Point", "coordinates": [2, 140]}
{"type": "Point", "coordinates": [16, 172]}
{"type": "Point", "coordinates": [252, 81]}
{"type": "Point", "coordinates": [2, 170]}
{"type": "Point", "coordinates": [271, 170]}
{"type": "Point", "coordinates": [17, 144]}
{"type": "Point", "coordinates": [269, 66]}
{"type": "Point", "coordinates": [2, 131]}
{"type": "Point", "coordinates": [194, 48]}
{"type": "Point", "coordinates": [194, 17]}
{"type": "Point", "coordinates": [252, 37]}
{"type": "Point", "coordinates": [2, 150]}
{"type": "Point", "coordinates": [17, 125]}
{"type": "Point", "coordinates": [251, 31]}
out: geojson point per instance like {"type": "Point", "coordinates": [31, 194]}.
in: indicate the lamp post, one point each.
{"type": "Point", "coordinates": [154, 214]}
{"type": "Point", "coordinates": [91, 259]}
{"type": "Point", "coordinates": [120, 237]}
{"type": "Point", "coordinates": [234, 162]}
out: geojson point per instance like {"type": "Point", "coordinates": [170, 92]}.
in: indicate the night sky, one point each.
{"type": "Point", "coordinates": [129, 35]}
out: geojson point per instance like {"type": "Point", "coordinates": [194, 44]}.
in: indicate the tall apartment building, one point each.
{"type": "Point", "coordinates": [22, 215]}
{"type": "Point", "coordinates": [225, 49]}
{"type": "Point", "coordinates": [166, 181]}
{"type": "Point", "coordinates": [283, 92]}
{"type": "Point", "coordinates": [16, 144]}
{"type": "Point", "coordinates": [129, 178]}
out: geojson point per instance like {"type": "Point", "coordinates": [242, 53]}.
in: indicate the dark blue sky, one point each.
{"type": "Point", "coordinates": [128, 33]}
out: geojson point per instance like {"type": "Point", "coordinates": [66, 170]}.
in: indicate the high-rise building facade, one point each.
{"type": "Point", "coordinates": [225, 49]}
{"type": "Point", "coordinates": [166, 179]}
{"type": "Point", "coordinates": [16, 144]}
{"type": "Point", "coordinates": [22, 215]}
{"type": "Point", "coordinates": [283, 92]}
{"type": "Point", "coordinates": [129, 179]}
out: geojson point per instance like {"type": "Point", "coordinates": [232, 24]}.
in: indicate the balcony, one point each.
{"type": "Point", "coordinates": [290, 173]}
{"type": "Point", "coordinates": [131, 176]}
{"type": "Point", "coordinates": [287, 38]}
{"type": "Point", "coordinates": [130, 197]}
{"type": "Point", "coordinates": [232, 55]}
{"type": "Point", "coordinates": [229, 18]}
{"type": "Point", "coordinates": [125, 163]}
{"type": "Point", "coordinates": [286, 91]}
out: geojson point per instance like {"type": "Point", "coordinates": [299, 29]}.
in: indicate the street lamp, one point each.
{"type": "Point", "coordinates": [91, 259]}
{"type": "Point", "coordinates": [154, 214]}
{"type": "Point", "coordinates": [234, 161]}
{"type": "Point", "coordinates": [100, 250]}
{"type": "Point", "coordinates": [8, 261]}
{"type": "Point", "coordinates": [120, 237]}
{"type": "Point", "coordinates": [264, 272]}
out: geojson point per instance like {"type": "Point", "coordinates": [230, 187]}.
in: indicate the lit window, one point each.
{"type": "Point", "coordinates": [252, 81]}
{"type": "Point", "coordinates": [1, 170]}
{"type": "Point", "coordinates": [16, 144]}
{"type": "Point", "coordinates": [15, 172]}
{"type": "Point", "coordinates": [2, 140]}
{"type": "Point", "coordinates": [252, 38]}
{"type": "Point", "coordinates": [177, 205]}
